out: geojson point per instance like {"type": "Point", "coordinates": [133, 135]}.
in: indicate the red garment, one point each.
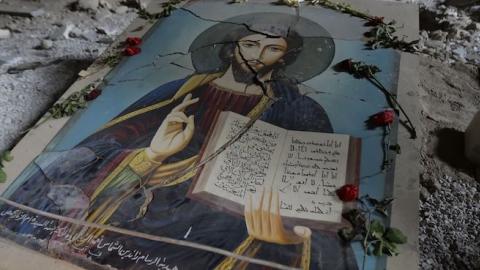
{"type": "Point", "coordinates": [214, 99]}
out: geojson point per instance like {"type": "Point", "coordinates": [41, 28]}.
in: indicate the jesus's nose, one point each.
{"type": "Point", "coordinates": [253, 55]}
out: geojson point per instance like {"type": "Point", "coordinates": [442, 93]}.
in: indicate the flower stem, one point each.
{"type": "Point", "coordinates": [392, 100]}
{"type": "Point", "coordinates": [386, 146]}
{"type": "Point", "coordinates": [365, 240]}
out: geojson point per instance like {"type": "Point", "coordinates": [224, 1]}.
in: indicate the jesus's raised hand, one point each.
{"type": "Point", "coordinates": [174, 133]}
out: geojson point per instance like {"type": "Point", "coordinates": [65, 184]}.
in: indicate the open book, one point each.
{"type": "Point", "coordinates": [305, 168]}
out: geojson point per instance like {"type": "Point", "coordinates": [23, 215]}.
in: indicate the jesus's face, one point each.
{"type": "Point", "coordinates": [259, 52]}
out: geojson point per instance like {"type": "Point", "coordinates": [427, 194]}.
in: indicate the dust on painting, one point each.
{"type": "Point", "coordinates": [129, 160]}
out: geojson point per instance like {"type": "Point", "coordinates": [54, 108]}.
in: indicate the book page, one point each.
{"type": "Point", "coordinates": [249, 164]}
{"type": "Point", "coordinates": [312, 167]}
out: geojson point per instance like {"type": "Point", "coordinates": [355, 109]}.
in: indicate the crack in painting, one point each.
{"type": "Point", "coordinates": [154, 64]}
{"type": "Point", "coordinates": [256, 77]}
{"type": "Point", "coordinates": [267, 34]}
{"type": "Point", "coordinates": [242, 131]}
{"type": "Point", "coordinates": [248, 27]}
{"type": "Point", "coordinates": [319, 92]}
{"type": "Point", "coordinates": [181, 66]}
{"type": "Point", "coordinates": [310, 88]}
{"type": "Point", "coordinates": [64, 198]}
{"type": "Point", "coordinates": [221, 149]}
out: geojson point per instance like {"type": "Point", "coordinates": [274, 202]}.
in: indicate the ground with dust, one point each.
{"type": "Point", "coordinates": [26, 95]}
{"type": "Point", "coordinates": [449, 94]}
{"type": "Point", "coordinates": [450, 199]}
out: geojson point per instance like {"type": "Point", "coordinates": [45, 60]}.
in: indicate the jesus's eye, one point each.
{"type": "Point", "coordinates": [247, 44]}
{"type": "Point", "coordinates": [275, 49]}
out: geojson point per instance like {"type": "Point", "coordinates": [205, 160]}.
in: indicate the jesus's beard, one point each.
{"type": "Point", "coordinates": [248, 76]}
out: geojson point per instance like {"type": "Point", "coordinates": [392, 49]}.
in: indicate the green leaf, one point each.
{"type": "Point", "coordinates": [7, 156]}
{"type": "Point", "coordinates": [382, 206]}
{"type": "Point", "coordinates": [385, 202]}
{"type": "Point", "coordinates": [378, 248]}
{"type": "Point", "coordinates": [348, 234]}
{"type": "Point", "coordinates": [3, 176]}
{"type": "Point", "coordinates": [390, 249]}
{"type": "Point", "coordinates": [379, 206]}
{"type": "Point", "coordinates": [376, 229]}
{"type": "Point", "coordinates": [356, 218]}
{"type": "Point", "coordinates": [372, 201]}
{"type": "Point", "coordinates": [382, 211]}
{"type": "Point", "coordinates": [396, 236]}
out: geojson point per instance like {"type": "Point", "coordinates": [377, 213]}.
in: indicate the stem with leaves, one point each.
{"type": "Point", "coordinates": [360, 70]}
{"type": "Point", "coordinates": [290, 3]}
{"type": "Point", "coordinates": [386, 146]}
{"type": "Point", "coordinates": [342, 7]}
{"type": "Point", "coordinates": [66, 107]}
{"type": "Point", "coordinates": [4, 157]}
{"type": "Point", "coordinates": [366, 244]}
{"type": "Point", "coordinates": [167, 9]}
{"type": "Point", "coordinates": [382, 34]}
{"type": "Point", "coordinates": [392, 99]}
{"type": "Point", "coordinates": [111, 59]}
{"type": "Point", "coordinates": [376, 239]}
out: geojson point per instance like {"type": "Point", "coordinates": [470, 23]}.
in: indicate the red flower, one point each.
{"type": "Point", "coordinates": [130, 51]}
{"type": "Point", "coordinates": [345, 66]}
{"type": "Point", "coordinates": [374, 21]}
{"type": "Point", "coordinates": [383, 118]}
{"type": "Point", "coordinates": [93, 94]}
{"type": "Point", "coordinates": [348, 193]}
{"type": "Point", "coordinates": [133, 41]}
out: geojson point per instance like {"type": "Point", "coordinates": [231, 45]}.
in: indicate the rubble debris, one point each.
{"type": "Point", "coordinates": [451, 34]}
{"type": "Point", "coordinates": [46, 44]}
{"type": "Point", "coordinates": [106, 24]}
{"type": "Point", "coordinates": [474, 26]}
{"type": "Point", "coordinates": [24, 9]}
{"type": "Point", "coordinates": [105, 40]}
{"type": "Point", "coordinates": [131, 3]}
{"type": "Point", "coordinates": [84, 5]}
{"type": "Point", "coordinates": [438, 35]}
{"type": "Point", "coordinates": [83, 34]}
{"type": "Point", "coordinates": [88, 4]}
{"type": "Point", "coordinates": [121, 10]}
{"type": "Point", "coordinates": [26, 95]}
{"type": "Point", "coordinates": [5, 33]}
{"type": "Point", "coordinates": [136, 4]}
{"type": "Point", "coordinates": [63, 32]}
{"type": "Point", "coordinates": [23, 67]}
{"type": "Point", "coordinates": [105, 4]}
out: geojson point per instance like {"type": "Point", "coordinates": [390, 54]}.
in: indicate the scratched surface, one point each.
{"type": "Point", "coordinates": [167, 57]}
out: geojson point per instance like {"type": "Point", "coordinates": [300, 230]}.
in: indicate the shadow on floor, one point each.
{"type": "Point", "coordinates": [450, 149]}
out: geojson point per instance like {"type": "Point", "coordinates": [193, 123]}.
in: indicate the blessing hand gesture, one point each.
{"type": "Point", "coordinates": [174, 133]}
